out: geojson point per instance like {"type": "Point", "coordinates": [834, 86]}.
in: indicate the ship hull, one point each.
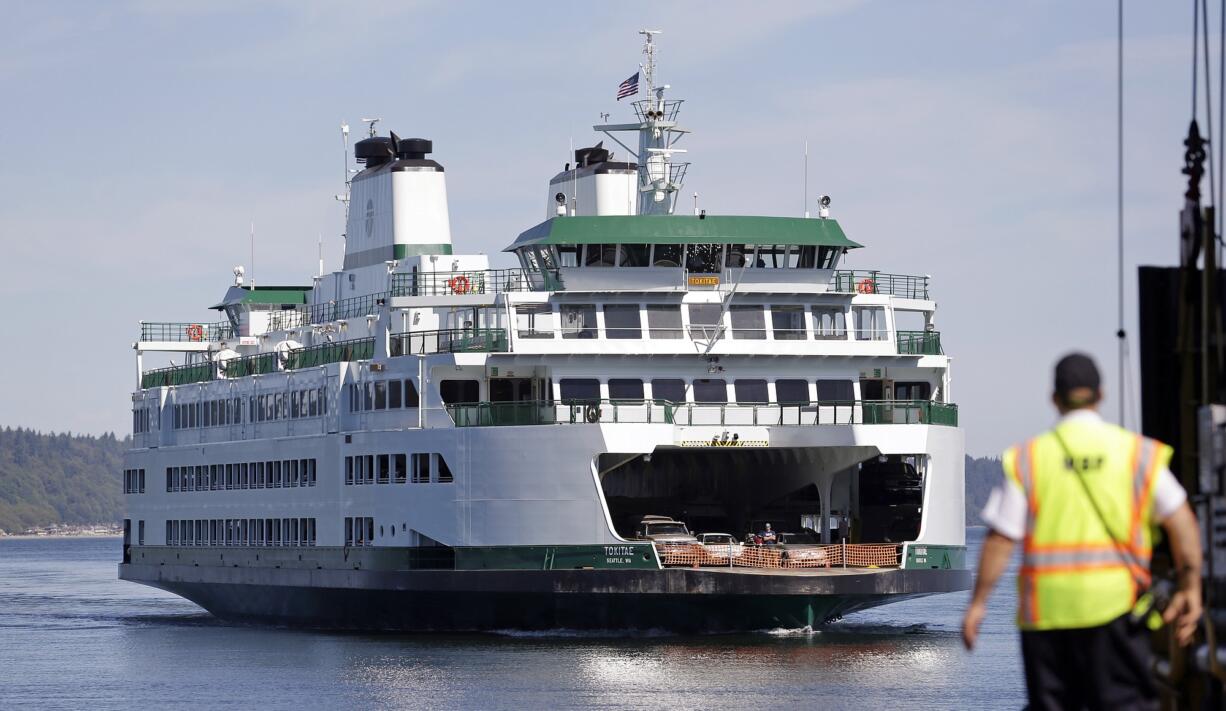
{"type": "Point", "coordinates": [679, 600]}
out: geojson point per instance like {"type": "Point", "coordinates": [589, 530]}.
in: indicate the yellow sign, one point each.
{"type": "Point", "coordinates": [704, 281]}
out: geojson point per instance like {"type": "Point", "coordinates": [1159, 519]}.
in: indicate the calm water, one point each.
{"type": "Point", "coordinates": [72, 636]}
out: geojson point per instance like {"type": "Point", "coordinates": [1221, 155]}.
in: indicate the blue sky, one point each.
{"type": "Point", "coordinates": [972, 141]}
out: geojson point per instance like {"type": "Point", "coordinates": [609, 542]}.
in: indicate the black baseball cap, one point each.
{"type": "Point", "coordinates": [1076, 370]}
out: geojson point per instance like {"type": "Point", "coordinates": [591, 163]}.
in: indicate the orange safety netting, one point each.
{"type": "Point", "coordinates": [856, 555]}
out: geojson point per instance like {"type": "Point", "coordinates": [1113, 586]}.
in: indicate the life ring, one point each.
{"type": "Point", "coordinates": [459, 284]}
{"type": "Point", "coordinates": [195, 332]}
{"type": "Point", "coordinates": [866, 286]}
{"type": "Point", "coordinates": [591, 413]}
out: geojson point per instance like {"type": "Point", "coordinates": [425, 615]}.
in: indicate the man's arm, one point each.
{"type": "Point", "coordinates": [1185, 607]}
{"type": "Point", "coordinates": [993, 560]}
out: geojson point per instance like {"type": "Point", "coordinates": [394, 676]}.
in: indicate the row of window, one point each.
{"type": "Point", "coordinates": [708, 390]}
{"type": "Point", "coordinates": [702, 258]}
{"type": "Point", "coordinates": [419, 468]}
{"type": "Point", "coordinates": [241, 532]}
{"type": "Point", "coordinates": [361, 531]}
{"type": "Point", "coordinates": [142, 419]}
{"type": "Point", "coordinates": [382, 395]}
{"type": "Point", "coordinates": [243, 475]}
{"type": "Point", "coordinates": [788, 322]}
{"type": "Point", "coordinates": [133, 481]}
{"type": "Point", "coordinates": [294, 404]}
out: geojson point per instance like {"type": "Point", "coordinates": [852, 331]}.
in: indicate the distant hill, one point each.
{"type": "Point", "coordinates": [59, 478]}
{"type": "Point", "coordinates": [64, 478]}
{"type": "Point", "coordinates": [982, 474]}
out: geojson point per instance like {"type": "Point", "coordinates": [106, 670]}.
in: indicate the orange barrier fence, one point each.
{"type": "Point", "coordinates": [851, 555]}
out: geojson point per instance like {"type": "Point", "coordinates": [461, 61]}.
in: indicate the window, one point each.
{"type": "Point", "coordinates": [829, 322]}
{"type": "Point", "coordinates": [622, 321]}
{"type": "Point", "coordinates": [625, 389]}
{"type": "Point", "coordinates": [738, 255]}
{"type": "Point", "coordinates": [381, 395]}
{"type": "Point", "coordinates": [704, 320]}
{"type": "Point", "coordinates": [368, 468]}
{"type": "Point", "coordinates": [600, 255]}
{"type": "Point", "coordinates": [453, 391]}
{"type": "Point", "coordinates": [581, 389]}
{"type": "Point", "coordinates": [634, 255]}
{"type": "Point", "coordinates": [385, 468]}
{"type": "Point", "coordinates": [578, 320]}
{"type": "Point", "coordinates": [444, 471]}
{"type": "Point", "coordinates": [791, 392]}
{"type": "Point", "coordinates": [666, 255]}
{"type": "Point", "coordinates": [704, 258]}
{"type": "Point", "coordinates": [750, 391]}
{"type": "Point", "coordinates": [710, 390]}
{"type": "Point", "coordinates": [394, 392]}
{"type": "Point", "coordinates": [534, 321]}
{"type": "Point", "coordinates": [568, 255]}
{"type": "Point", "coordinates": [664, 320]}
{"type": "Point", "coordinates": [870, 323]}
{"type": "Point", "coordinates": [912, 391]}
{"type": "Point", "coordinates": [410, 394]}
{"type": "Point", "coordinates": [140, 535]}
{"type": "Point", "coordinates": [748, 322]}
{"type": "Point", "coordinates": [835, 391]}
{"type": "Point", "coordinates": [368, 396]}
{"type": "Point", "coordinates": [668, 389]}
{"type": "Point", "coordinates": [421, 468]}
{"type": "Point", "coordinates": [399, 468]}
{"type": "Point", "coordinates": [788, 322]}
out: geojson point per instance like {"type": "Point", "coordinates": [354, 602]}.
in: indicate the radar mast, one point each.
{"type": "Point", "coordinates": [660, 177]}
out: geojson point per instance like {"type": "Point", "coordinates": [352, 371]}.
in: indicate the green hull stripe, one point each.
{"type": "Point", "coordinates": [378, 255]}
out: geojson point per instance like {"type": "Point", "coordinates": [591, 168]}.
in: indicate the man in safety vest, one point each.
{"type": "Point", "coordinates": [1082, 498]}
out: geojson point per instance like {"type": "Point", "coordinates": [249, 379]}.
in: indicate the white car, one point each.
{"type": "Point", "coordinates": [718, 546]}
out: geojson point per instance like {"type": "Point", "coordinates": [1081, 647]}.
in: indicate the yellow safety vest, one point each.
{"type": "Point", "coordinates": [1073, 574]}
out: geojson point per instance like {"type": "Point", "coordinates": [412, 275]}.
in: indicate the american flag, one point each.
{"type": "Point", "coordinates": [630, 87]}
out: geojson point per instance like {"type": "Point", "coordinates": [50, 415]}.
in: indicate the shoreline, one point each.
{"type": "Point", "coordinates": [29, 536]}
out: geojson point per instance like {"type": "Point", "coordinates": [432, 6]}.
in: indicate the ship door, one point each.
{"type": "Point", "coordinates": [127, 540]}
{"type": "Point", "coordinates": [877, 395]}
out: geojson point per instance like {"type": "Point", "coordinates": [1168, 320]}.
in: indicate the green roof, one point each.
{"type": "Point", "coordinates": [279, 295]}
{"type": "Point", "coordinates": [674, 229]}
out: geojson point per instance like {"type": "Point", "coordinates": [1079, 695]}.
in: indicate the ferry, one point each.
{"type": "Point", "coordinates": [637, 417]}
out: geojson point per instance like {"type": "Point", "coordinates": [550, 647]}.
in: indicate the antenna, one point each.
{"type": "Point", "coordinates": [806, 177]}
{"type": "Point", "coordinates": [649, 67]}
{"type": "Point", "coordinates": [252, 274]}
{"type": "Point", "coordinates": [372, 122]}
{"type": "Point", "coordinates": [321, 253]}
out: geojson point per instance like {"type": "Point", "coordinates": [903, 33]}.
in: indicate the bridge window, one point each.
{"type": "Point", "coordinates": [666, 255]}
{"type": "Point", "coordinates": [578, 320]}
{"type": "Point", "coordinates": [704, 321]}
{"type": "Point", "coordinates": [568, 255]}
{"type": "Point", "coordinates": [788, 322]}
{"type": "Point", "coordinates": [622, 321]}
{"type": "Point", "coordinates": [634, 255]}
{"type": "Point", "coordinates": [710, 390]}
{"type": "Point", "coordinates": [664, 320]}
{"type": "Point", "coordinates": [625, 389]}
{"type": "Point", "coordinates": [792, 392]}
{"type": "Point", "coordinates": [870, 323]}
{"type": "Point", "coordinates": [750, 391]}
{"type": "Point", "coordinates": [748, 322]}
{"type": "Point", "coordinates": [600, 255]}
{"type": "Point", "coordinates": [668, 389]}
{"type": "Point", "coordinates": [704, 258]}
{"type": "Point", "coordinates": [738, 255]}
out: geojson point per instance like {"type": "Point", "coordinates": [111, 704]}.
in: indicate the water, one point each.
{"type": "Point", "coordinates": [72, 636]}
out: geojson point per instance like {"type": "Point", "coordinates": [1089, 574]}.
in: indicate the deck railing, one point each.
{"type": "Point", "coordinates": [866, 412]}
{"type": "Point", "coordinates": [874, 282]}
{"type": "Point", "coordinates": [483, 281]}
{"type": "Point", "coordinates": [186, 332]}
{"type": "Point", "coordinates": [454, 340]}
{"type": "Point", "coordinates": [919, 343]}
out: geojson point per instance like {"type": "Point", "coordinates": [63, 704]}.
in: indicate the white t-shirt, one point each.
{"type": "Point", "coordinates": [1005, 511]}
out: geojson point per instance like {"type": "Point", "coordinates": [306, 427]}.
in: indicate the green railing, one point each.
{"type": "Point", "coordinates": [919, 343]}
{"type": "Point", "coordinates": [319, 313]}
{"type": "Point", "coordinates": [848, 412]}
{"type": "Point", "coordinates": [257, 364]}
{"type": "Point", "coordinates": [342, 351]}
{"type": "Point", "coordinates": [454, 340]}
{"type": "Point", "coordinates": [484, 281]}
{"type": "Point", "coordinates": [178, 375]}
{"type": "Point", "coordinates": [874, 282]}
{"type": "Point", "coordinates": [189, 332]}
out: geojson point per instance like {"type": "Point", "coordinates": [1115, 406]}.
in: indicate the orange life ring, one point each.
{"type": "Point", "coordinates": [195, 332]}
{"type": "Point", "coordinates": [459, 284]}
{"type": "Point", "coordinates": [866, 286]}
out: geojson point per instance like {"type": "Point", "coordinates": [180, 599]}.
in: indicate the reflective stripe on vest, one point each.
{"type": "Point", "coordinates": [1073, 574]}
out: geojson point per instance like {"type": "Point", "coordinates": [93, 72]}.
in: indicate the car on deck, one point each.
{"type": "Point", "coordinates": [717, 547]}
{"type": "Point", "coordinates": [663, 529]}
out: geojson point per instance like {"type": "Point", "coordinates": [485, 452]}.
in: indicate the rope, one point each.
{"type": "Point", "coordinates": [1120, 333]}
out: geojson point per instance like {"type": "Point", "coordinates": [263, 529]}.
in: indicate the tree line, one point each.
{"type": "Point", "coordinates": [59, 478]}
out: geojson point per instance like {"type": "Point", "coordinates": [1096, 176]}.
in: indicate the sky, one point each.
{"type": "Point", "coordinates": [973, 141]}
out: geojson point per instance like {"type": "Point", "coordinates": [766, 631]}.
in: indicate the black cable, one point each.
{"type": "Point", "coordinates": [1209, 116]}
{"type": "Point", "coordinates": [1195, 50]}
{"type": "Point", "coordinates": [1120, 333]}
